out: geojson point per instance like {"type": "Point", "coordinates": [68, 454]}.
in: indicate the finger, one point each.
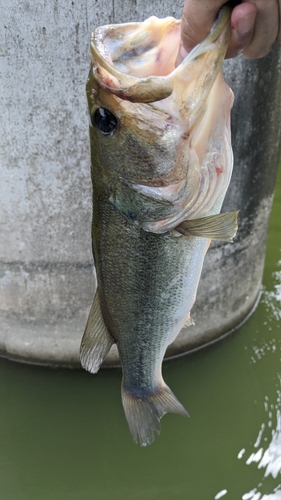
{"type": "Point", "coordinates": [242, 28]}
{"type": "Point", "coordinates": [197, 19]}
{"type": "Point", "coordinates": [199, 16]}
{"type": "Point", "coordinates": [255, 26]}
{"type": "Point", "coordinates": [266, 29]}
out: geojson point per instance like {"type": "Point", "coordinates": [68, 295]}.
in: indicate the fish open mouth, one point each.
{"type": "Point", "coordinates": [136, 62]}
{"type": "Point", "coordinates": [143, 49]}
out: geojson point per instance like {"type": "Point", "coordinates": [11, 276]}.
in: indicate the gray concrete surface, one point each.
{"type": "Point", "coordinates": [47, 278]}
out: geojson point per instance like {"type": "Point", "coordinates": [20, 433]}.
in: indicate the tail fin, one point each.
{"type": "Point", "coordinates": [144, 410]}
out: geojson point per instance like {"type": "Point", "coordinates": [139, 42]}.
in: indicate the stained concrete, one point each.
{"type": "Point", "coordinates": [47, 278]}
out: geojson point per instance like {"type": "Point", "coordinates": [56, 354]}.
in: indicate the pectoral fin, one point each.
{"type": "Point", "coordinates": [96, 341]}
{"type": "Point", "coordinates": [221, 227]}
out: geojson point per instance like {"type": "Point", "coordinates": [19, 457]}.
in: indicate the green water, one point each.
{"type": "Point", "coordinates": [64, 435]}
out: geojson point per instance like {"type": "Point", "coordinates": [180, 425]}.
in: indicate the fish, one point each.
{"type": "Point", "coordinates": [161, 162]}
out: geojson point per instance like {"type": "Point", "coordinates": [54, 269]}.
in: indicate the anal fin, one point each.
{"type": "Point", "coordinates": [222, 227]}
{"type": "Point", "coordinates": [189, 321]}
{"type": "Point", "coordinates": [96, 341]}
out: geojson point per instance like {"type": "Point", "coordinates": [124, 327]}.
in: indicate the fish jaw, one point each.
{"type": "Point", "coordinates": [178, 159]}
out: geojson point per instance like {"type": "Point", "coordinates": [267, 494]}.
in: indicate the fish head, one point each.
{"type": "Point", "coordinates": [136, 140]}
{"type": "Point", "coordinates": [160, 134]}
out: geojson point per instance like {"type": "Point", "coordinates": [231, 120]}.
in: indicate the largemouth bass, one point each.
{"type": "Point", "coordinates": [161, 164]}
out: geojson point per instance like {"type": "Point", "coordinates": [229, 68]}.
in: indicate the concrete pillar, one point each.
{"type": "Point", "coordinates": [47, 278]}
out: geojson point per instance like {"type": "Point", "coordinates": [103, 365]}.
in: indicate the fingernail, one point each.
{"type": "Point", "coordinates": [246, 24]}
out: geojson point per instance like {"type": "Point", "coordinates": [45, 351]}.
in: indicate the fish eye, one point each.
{"type": "Point", "coordinates": [104, 120]}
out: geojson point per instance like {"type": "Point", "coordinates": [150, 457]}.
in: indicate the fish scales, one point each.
{"type": "Point", "coordinates": [145, 293]}
{"type": "Point", "coordinates": [161, 163]}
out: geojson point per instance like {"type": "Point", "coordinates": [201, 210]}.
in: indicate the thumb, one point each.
{"type": "Point", "coordinates": [197, 19]}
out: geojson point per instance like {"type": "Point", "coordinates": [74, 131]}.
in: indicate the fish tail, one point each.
{"type": "Point", "coordinates": [144, 410]}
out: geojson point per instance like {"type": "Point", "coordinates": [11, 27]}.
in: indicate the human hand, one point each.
{"type": "Point", "coordinates": [255, 26]}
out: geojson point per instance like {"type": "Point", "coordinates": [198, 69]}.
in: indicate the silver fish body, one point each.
{"type": "Point", "coordinates": [161, 164]}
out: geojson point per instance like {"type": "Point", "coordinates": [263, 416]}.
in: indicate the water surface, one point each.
{"type": "Point", "coordinates": [64, 435]}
